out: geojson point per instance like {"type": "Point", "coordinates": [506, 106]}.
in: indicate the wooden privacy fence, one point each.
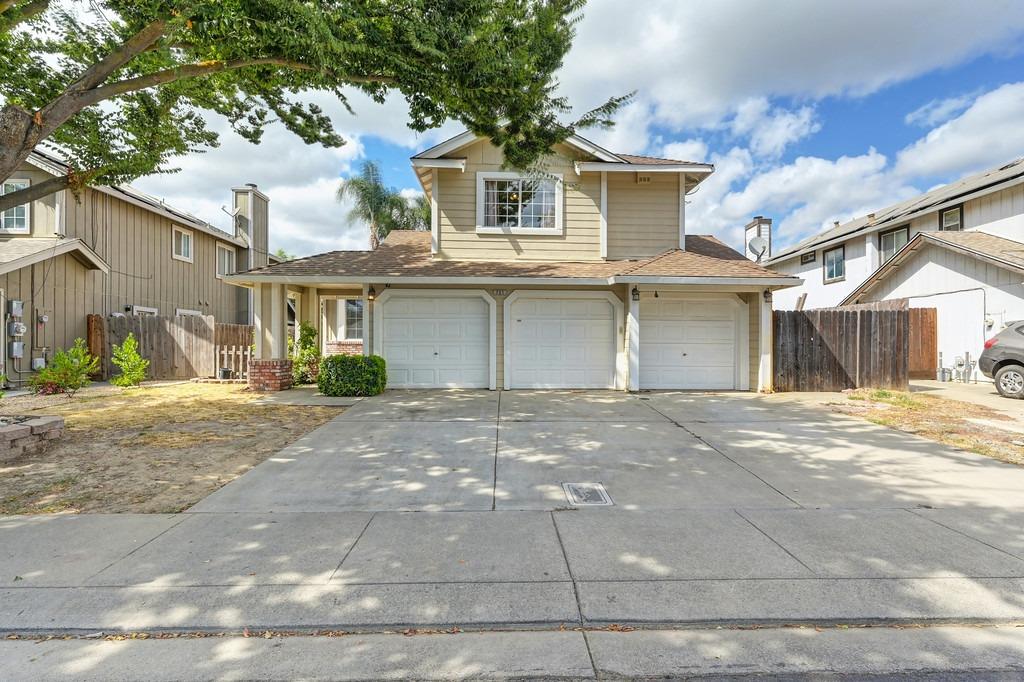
{"type": "Point", "coordinates": [235, 358]}
{"type": "Point", "coordinates": [836, 349]}
{"type": "Point", "coordinates": [924, 343]}
{"type": "Point", "coordinates": [180, 347]}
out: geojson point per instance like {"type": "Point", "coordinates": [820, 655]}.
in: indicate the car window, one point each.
{"type": "Point", "coordinates": [1020, 330]}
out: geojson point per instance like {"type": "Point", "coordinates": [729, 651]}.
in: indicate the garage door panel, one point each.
{"type": "Point", "coordinates": [561, 343]}
{"type": "Point", "coordinates": [436, 341]}
{"type": "Point", "coordinates": [689, 344]}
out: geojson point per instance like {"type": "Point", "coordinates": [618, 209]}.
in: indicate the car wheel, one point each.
{"type": "Point", "coordinates": [1010, 381]}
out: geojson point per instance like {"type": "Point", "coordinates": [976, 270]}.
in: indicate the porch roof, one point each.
{"type": "Point", "coordinates": [406, 256]}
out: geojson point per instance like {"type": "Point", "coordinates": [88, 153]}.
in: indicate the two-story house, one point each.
{"type": "Point", "coordinates": [113, 250]}
{"type": "Point", "coordinates": [580, 276]}
{"type": "Point", "coordinates": [958, 248]}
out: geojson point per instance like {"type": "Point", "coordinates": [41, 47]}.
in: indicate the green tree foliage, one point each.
{"type": "Point", "coordinates": [132, 365]}
{"type": "Point", "coordinates": [381, 207]}
{"type": "Point", "coordinates": [283, 255]}
{"type": "Point", "coordinates": [305, 354]}
{"type": "Point", "coordinates": [68, 371]}
{"type": "Point", "coordinates": [352, 375]}
{"type": "Point", "coordinates": [121, 87]}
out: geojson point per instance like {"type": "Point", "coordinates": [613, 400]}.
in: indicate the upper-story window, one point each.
{"type": "Point", "coordinates": [516, 204]}
{"type": "Point", "coordinates": [889, 243]}
{"type": "Point", "coordinates": [952, 219]}
{"type": "Point", "coordinates": [181, 244]}
{"type": "Point", "coordinates": [835, 264]}
{"type": "Point", "coordinates": [225, 260]}
{"type": "Point", "coordinates": [15, 220]}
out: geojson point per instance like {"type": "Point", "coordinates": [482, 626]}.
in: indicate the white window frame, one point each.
{"type": "Point", "coordinates": [191, 244]}
{"type": "Point", "coordinates": [27, 205]}
{"type": "Point", "coordinates": [960, 219]}
{"type": "Point", "coordinates": [824, 264]}
{"type": "Point", "coordinates": [145, 310]}
{"type": "Point", "coordinates": [234, 259]}
{"type": "Point", "coordinates": [343, 320]}
{"type": "Point", "coordinates": [483, 176]}
{"type": "Point", "coordinates": [187, 311]}
{"type": "Point", "coordinates": [881, 242]}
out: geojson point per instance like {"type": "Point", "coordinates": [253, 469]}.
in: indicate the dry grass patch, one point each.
{"type": "Point", "coordinates": [950, 422]}
{"type": "Point", "coordinates": [154, 449]}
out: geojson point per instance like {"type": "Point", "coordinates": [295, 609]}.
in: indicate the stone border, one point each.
{"type": "Point", "coordinates": [29, 436]}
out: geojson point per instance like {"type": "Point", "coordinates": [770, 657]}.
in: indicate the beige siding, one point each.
{"type": "Point", "coordinates": [136, 244]}
{"type": "Point", "coordinates": [457, 199]}
{"type": "Point", "coordinates": [42, 213]}
{"type": "Point", "coordinates": [643, 220]}
{"type": "Point", "coordinates": [754, 321]}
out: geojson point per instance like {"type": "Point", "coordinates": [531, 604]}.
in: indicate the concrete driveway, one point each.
{"type": "Point", "coordinates": [440, 508]}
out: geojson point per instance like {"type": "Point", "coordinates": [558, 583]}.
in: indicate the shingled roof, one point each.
{"type": "Point", "coordinates": [407, 254]}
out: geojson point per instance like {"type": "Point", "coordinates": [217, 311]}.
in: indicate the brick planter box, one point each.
{"type": "Point", "coordinates": [21, 436]}
{"type": "Point", "coordinates": [270, 375]}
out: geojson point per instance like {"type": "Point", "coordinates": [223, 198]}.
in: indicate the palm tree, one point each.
{"type": "Point", "coordinates": [380, 206]}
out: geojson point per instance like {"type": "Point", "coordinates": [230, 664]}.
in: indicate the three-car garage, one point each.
{"type": "Point", "coordinates": [559, 339]}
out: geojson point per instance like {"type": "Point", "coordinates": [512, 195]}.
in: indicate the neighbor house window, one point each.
{"type": "Point", "coordinates": [225, 260]}
{"type": "Point", "coordinates": [353, 327]}
{"type": "Point", "coordinates": [889, 243]}
{"type": "Point", "coordinates": [15, 220]}
{"type": "Point", "coordinates": [187, 311]}
{"type": "Point", "coordinates": [516, 204]}
{"type": "Point", "coordinates": [182, 244]}
{"type": "Point", "coordinates": [808, 257]}
{"type": "Point", "coordinates": [835, 264]}
{"type": "Point", "coordinates": [952, 219]}
{"type": "Point", "coordinates": [144, 311]}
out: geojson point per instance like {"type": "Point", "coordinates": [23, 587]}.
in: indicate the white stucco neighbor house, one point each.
{"type": "Point", "coordinates": [587, 277]}
{"type": "Point", "coordinates": [958, 248]}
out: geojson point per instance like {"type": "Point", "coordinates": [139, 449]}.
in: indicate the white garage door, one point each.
{"type": "Point", "coordinates": [436, 342]}
{"type": "Point", "coordinates": [561, 343]}
{"type": "Point", "coordinates": [688, 343]}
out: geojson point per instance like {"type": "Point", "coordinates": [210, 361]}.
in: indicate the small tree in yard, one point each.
{"type": "Point", "coordinates": [305, 355]}
{"type": "Point", "coordinates": [132, 365]}
{"type": "Point", "coordinates": [120, 87]}
{"type": "Point", "coordinates": [68, 371]}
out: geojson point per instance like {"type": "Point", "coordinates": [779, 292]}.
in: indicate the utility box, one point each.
{"type": "Point", "coordinates": [16, 308]}
{"type": "Point", "coordinates": [16, 349]}
{"type": "Point", "coordinates": [16, 329]}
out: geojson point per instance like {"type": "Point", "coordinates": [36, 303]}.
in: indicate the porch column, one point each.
{"type": "Point", "coordinates": [278, 322]}
{"type": "Point", "coordinates": [633, 339]}
{"type": "Point", "coordinates": [258, 320]}
{"type": "Point", "coordinates": [766, 335]}
{"type": "Point", "coordinates": [270, 369]}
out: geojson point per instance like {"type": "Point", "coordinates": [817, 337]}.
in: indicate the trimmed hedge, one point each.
{"type": "Point", "coordinates": [352, 375]}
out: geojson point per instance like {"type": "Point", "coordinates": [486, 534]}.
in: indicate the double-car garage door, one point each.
{"type": "Point", "coordinates": [557, 341]}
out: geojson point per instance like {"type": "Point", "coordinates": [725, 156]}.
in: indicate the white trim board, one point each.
{"type": "Point", "coordinates": [378, 319]}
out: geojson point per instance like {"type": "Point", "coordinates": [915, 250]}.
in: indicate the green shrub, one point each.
{"type": "Point", "coordinates": [132, 365]}
{"type": "Point", "coordinates": [67, 372]}
{"type": "Point", "coordinates": [3, 382]}
{"type": "Point", "coordinates": [305, 355]}
{"type": "Point", "coordinates": [352, 375]}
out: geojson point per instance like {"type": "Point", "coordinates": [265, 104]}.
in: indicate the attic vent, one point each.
{"type": "Point", "coordinates": [643, 179]}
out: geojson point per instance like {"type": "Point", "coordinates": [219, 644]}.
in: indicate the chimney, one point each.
{"type": "Point", "coordinates": [252, 221]}
{"type": "Point", "coordinates": [760, 228]}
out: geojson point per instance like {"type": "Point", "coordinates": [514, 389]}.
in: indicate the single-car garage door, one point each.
{"type": "Point", "coordinates": [557, 342]}
{"type": "Point", "coordinates": [440, 341]}
{"type": "Point", "coordinates": [690, 343]}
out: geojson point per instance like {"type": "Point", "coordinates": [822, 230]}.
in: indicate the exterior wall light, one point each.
{"type": "Point", "coordinates": [635, 294]}
{"type": "Point", "coordinates": [371, 294]}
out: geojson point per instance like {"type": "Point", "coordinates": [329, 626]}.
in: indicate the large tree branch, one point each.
{"type": "Point", "coordinates": [205, 69]}
{"type": "Point", "coordinates": [21, 13]}
{"type": "Point", "coordinates": [34, 191]}
{"type": "Point", "coordinates": [134, 46]}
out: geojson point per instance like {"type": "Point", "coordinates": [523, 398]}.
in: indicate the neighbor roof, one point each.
{"type": "Point", "coordinates": [999, 251]}
{"type": "Point", "coordinates": [20, 252]}
{"type": "Point", "coordinates": [407, 254]}
{"type": "Point", "coordinates": [942, 197]}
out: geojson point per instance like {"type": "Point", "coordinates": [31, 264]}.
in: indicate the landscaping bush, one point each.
{"type": "Point", "coordinates": [352, 375]}
{"type": "Point", "coordinates": [305, 355]}
{"type": "Point", "coordinates": [67, 372]}
{"type": "Point", "coordinates": [132, 365]}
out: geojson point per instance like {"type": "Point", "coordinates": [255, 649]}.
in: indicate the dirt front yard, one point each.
{"type": "Point", "coordinates": [153, 449]}
{"type": "Point", "coordinates": [963, 425]}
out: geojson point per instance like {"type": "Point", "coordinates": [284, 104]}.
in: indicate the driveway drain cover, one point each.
{"type": "Point", "coordinates": [587, 494]}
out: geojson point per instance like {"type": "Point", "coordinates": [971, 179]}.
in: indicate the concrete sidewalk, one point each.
{"type": "Point", "coordinates": [911, 654]}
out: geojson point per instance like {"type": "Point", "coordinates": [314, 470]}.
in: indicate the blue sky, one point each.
{"type": "Point", "coordinates": [811, 112]}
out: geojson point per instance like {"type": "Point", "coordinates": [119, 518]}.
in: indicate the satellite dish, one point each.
{"type": "Point", "coordinates": [758, 246]}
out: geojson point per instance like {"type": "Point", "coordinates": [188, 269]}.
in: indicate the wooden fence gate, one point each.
{"type": "Point", "coordinates": [836, 349]}
{"type": "Point", "coordinates": [924, 343]}
{"type": "Point", "coordinates": [180, 347]}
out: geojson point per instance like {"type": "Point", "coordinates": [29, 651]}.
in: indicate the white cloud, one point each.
{"type": "Point", "coordinates": [687, 150]}
{"type": "Point", "coordinates": [769, 129]}
{"type": "Point", "coordinates": [939, 111]}
{"type": "Point", "coordinates": [987, 133]}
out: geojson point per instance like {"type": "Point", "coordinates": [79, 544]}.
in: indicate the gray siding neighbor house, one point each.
{"type": "Point", "coordinates": [115, 250]}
